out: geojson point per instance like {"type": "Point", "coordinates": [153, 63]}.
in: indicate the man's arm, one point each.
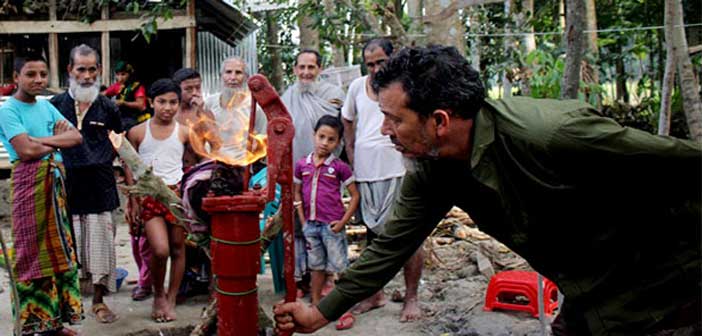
{"type": "Point", "coordinates": [417, 210]}
{"type": "Point", "coordinates": [28, 149]}
{"type": "Point", "coordinates": [349, 138]}
{"type": "Point", "coordinates": [65, 136]}
{"type": "Point", "coordinates": [184, 134]}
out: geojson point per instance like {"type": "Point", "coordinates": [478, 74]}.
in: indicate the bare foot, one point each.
{"type": "Point", "coordinates": [171, 313]}
{"type": "Point", "coordinates": [410, 310]}
{"type": "Point", "coordinates": [397, 296]}
{"type": "Point", "coordinates": [161, 308]}
{"type": "Point", "coordinates": [373, 302]}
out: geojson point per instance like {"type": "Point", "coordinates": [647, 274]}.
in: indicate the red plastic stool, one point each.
{"type": "Point", "coordinates": [506, 286]}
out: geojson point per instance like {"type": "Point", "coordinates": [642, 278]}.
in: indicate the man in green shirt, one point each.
{"type": "Point", "coordinates": [610, 214]}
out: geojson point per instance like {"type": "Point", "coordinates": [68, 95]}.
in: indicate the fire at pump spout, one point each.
{"type": "Point", "coordinates": [235, 240]}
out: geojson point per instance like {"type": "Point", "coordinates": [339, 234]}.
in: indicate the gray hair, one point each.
{"type": "Point", "coordinates": [233, 59]}
{"type": "Point", "coordinates": [83, 50]}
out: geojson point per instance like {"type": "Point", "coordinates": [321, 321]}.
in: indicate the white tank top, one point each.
{"type": "Point", "coordinates": [165, 156]}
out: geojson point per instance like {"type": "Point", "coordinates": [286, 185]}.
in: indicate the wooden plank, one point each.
{"type": "Point", "coordinates": [105, 53]}
{"type": "Point", "coordinates": [190, 47]}
{"type": "Point", "coordinates": [105, 47]}
{"type": "Point", "coordinates": [53, 49]}
{"type": "Point", "coordinates": [40, 27]}
{"type": "Point", "coordinates": [52, 10]}
{"type": "Point", "coordinates": [53, 61]}
{"type": "Point", "coordinates": [190, 59]}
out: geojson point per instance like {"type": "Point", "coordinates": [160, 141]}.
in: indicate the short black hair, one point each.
{"type": "Point", "coordinates": [435, 77]}
{"type": "Point", "coordinates": [331, 121]}
{"type": "Point", "coordinates": [185, 74]}
{"type": "Point", "coordinates": [162, 86]}
{"type": "Point", "coordinates": [310, 51]}
{"type": "Point", "coordinates": [21, 60]}
{"type": "Point", "coordinates": [379, 42]}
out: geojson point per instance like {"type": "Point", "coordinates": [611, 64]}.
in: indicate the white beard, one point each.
{"type": "Point", "coordinates": [82, 93]}
{"type": "Point", "coordinates": [307, 87]}
{"type": "Point", "coordinates": [228, 93]}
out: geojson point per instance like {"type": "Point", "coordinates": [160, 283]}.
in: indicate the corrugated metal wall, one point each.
{"type": "Point", "coordinates": [211, 51]}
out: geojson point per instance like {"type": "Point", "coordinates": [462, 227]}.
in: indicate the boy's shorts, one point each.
{"type": "Point", "coordinates": [326, 250]}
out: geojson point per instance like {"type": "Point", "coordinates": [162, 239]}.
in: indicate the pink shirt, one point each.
{"type": "Point", "coordinates": [321, 187]}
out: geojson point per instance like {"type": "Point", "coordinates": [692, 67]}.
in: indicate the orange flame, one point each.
{"type": "Point", "coordinates": [225, 140]}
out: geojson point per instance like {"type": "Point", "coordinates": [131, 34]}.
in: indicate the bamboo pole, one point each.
{"type": "Point", "coordinates": [147, 183]}
{"type": "Point", "coordinates": [13, 286]}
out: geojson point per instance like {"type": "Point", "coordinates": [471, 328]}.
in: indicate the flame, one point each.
{"type": "Point", "coordinates": [226, 140]}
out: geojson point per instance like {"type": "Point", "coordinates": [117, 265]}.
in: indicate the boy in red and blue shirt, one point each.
{"type": "Point", "coordinates": [318, 180]}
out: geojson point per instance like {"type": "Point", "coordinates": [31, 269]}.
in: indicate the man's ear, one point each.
{"type": "Point", "coordinates": [15, 77]}
{"type": "Point", "coordinates": [442, 120]}
{"type": "Point", "coordinates": [151, 102]}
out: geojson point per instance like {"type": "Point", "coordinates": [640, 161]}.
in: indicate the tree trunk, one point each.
{"type": "Point", "coordinates": [337, 55]}
{"type": "Point", "coordinates": [559, 14]}
{"type": "Point", "coordinates": [620, 80]}
{"type": "Point", "coordinates": [447, 32]}
{"type": "Point", "coordinates": [309, 37]}
{"type": "Point", "coordinates": [591, 26]}
{"type": "Point", "coordinates": [689, 86]}
{"type": "Point", "coordinates": [416, 28]}
{"type": "Point", "coordinates": [475, 24]}
{"type": "Point", "coordinates": [272, 30]}
{"type": "Point", "coordinates": [575, 47]}
{"type": "Point", "coordinates": [529, 40]}
{"type": "Point", "coordinates": [508, 46]}
{"type": "Point", "coordinates": [527, 14]}
{"type": "Point", "coordinates": [669, 75]}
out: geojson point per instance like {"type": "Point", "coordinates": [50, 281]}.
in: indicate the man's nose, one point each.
{"type": "Point", "coordinates": [385, 128]}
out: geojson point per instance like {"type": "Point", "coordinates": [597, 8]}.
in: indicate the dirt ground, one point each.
{"type": "Point", "coordinates": [451, 292]}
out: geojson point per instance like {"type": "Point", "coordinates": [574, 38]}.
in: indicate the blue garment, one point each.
{"type": "Point", "coordinates": [36, 119]}
{"type": "Point", "coordinates": [326, 250]}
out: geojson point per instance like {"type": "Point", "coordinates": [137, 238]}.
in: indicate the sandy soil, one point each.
{"type": "Point", "coordinates": [451, 294]}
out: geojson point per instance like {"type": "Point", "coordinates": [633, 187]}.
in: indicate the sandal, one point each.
{"type": "Point", "coordinates": [345, 321]}
{"type": "Point", "coordinates": [103, 314]}
{"type": "Point", "coordinates": [141, 293]}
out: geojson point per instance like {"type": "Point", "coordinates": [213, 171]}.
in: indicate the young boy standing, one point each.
{"type": "Point", "coordinates": [160, 142]}
{"type": "Point", "coordinates": [318, 180]}
{"type": "Point", "coordinates": [45, 264]}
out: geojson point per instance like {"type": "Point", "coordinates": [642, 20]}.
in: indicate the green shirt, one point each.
{"type": "Point", "coordinates": [609, 213]}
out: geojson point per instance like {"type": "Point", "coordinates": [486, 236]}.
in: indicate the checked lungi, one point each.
{"type": "Point", "coordinates": [45, 259]}
{"type": "Point", "coordinates": [95, 234]}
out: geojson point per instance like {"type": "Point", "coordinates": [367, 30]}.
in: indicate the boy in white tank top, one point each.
{"type": "Point", "coordinates": [161, 142]}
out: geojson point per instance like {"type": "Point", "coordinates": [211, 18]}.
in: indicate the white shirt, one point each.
{"type": "Point", "coordinates": [375, 157]}
{"type": "Point", "coordinates": [230, 124]}
{"type": "Point", "coordinates": [165, 156]}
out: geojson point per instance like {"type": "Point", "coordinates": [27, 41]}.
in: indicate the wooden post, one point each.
{"type": "Point", "coordinates": [53, 49]}
{"type": "Point", "coordinates": [190, 60]}
{"type": "Point", "coordinates": [105, 47]}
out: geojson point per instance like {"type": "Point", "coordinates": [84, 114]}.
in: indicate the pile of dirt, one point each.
{"type": "Point", "coordinates": [452, 292]}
